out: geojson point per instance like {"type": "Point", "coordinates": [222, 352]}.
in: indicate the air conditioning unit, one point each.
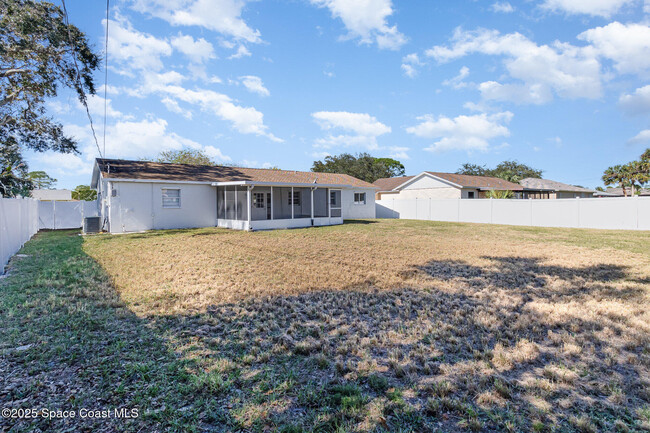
{"type": "Point", "coordinates": [91, 225]}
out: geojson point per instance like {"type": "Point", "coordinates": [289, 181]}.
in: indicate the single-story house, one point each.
{"type": "Point", "coordinates": [430, 184]}
{"type": "Point", "coordinates": [143, 195]}
{"type": "Point", "coordinates": [618, 192]}
{"type": "Point", "coordinates": [52, 194]}
{"type": "Point", "coordinates": [550, 189]}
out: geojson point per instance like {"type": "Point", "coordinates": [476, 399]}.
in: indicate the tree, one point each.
{"type": "Point", "coordinates": [41, 180]}
{"type": "Point", "coordinates": [472, 169]}
{"type": "Point", "coordinates": [497, 194]}
{"type": "Point", "coordinates": [84, 192]}
{"type": "Point", "coordinates": [511, 171]}
{"type": "Point", "coordinates": [185, 156]}
{"type": "Point", "coordinates": [13, 172]}
{"type": "Point", "coordinates": [634, 174]}
{"type": "Point", "coordinates": [363, 166]}
{"type": "Point", "coordinates": [39, 53]}
{"type": "Point", "coordinates": [616, 175]}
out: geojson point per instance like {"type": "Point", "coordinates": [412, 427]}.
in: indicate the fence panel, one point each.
{"type": "Point", "coordinates": [18, 223]}
{"type": "Point", "coordinates": [600, 213]}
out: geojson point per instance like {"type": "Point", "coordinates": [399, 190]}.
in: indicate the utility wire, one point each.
{"type": "Point", "coordinates": [79, 86]}
{"type": "Point", "coordinates": [105, 74]}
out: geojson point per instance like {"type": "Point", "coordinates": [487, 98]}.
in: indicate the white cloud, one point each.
{"type": "Point", "coordinates": [254, 84]}
{"type": "Point", "coordinates": [468, 133]}
{"type": "Point", "coordinates": [627, 45]}
{"type": "Point", "coordinates": [216, 154]}
{"type": "Point", "coordinates": [246, 120]}
{"type": "Point", "coordinates": [566, 70]}
{"type": "Point", "coordinates": [457, 81]}
{"type": "Point", "coordinates": [360, 129]}
{"type": "Point", "coordinates": [603, 8]}
{"type": "Point", "coordinates": [174, 107]}
{"type": "Point", "coordinates": [366, 20]}
{"type": "Point", "coordinates": [65, 164]}
{"type": "Point", "coordinates": [638, 102]}
{"type": "Point", "coordinates": [641, 138]}
{"type": "Point", "coordinates": [242, 51]}
{"type": "Point", "coordinates": [137, 139]}
{"type": "Point", "coordinates": [197, 50]}
{"type": "Point", "coordinates": [359, 123]}
{"type": "Point", "coordinates": [223, 16]}
{"type": "Point", "coordinates": [409, 63]}
{"type": "Point", "coordinates": [398, 152]}
{"type": "Point", "coordinates": [502, 7]}
{"type": "Point", "coordinates": [517, 93]}
{"type": "Point", "coordinates": [96, 108]}
{"type": "Point", "coordinates": [134, 49]}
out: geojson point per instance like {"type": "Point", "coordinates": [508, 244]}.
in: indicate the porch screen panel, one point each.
{"type": "Point", "coordinates": [320, 203]}
{"type": "Point", "coordinates": [335, 203]}
{"type": "Point", "coordinates": [230, 203]}
{"type": "Point", "coordinates": [281, 207]}
{"type": "Point", "coordinates": [221, 202]}
{"type": "Point", "coordinates": [242, 204]}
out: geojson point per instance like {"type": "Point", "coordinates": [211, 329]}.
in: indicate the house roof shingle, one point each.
{"type": "Point", "coordinates": [464, 180]}
{"type": "Point", "coordinates": [546, 184]}
{"type": "Point", "coordinates": [148, 170]}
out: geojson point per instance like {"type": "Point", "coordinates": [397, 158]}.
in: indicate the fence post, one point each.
{"type": "Point", "coordinates": [531, 211]}
{"type": "Point", "coordinates": [491, 211]}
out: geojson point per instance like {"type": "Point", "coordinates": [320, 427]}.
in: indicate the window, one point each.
{"type": "Point", "coordinates": [359, 198]}
{"type": "Point", "coordinates": [295, 200]}
{"type": "Point", "coordinates": [332, 198]}
{"type": "Point", "coordinates": [258, 199]}
{"type": "Point", "coordinates": [470, 194]}
{"type": "Point", "coordinates": [171, 198]}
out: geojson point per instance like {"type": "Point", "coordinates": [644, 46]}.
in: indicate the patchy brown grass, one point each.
{"type": "Point", "coordinates": [394, 326]}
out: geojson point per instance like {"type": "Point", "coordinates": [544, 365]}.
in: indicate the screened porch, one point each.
{"type": "Point", "coordinates": [261, 207]}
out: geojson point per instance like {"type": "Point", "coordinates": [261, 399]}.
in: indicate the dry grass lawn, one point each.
{"type": "Point", "coordinates": [392, 326]}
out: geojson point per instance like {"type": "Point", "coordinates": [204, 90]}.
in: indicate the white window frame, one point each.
{"type": "Point", "coordinates": [360, 194]}
{"type": "Point", "coordinates": [164, 193]}
{"type": "Point", "coordinates": [258, 204]}
{"type": "Point", "coordinates": [293, 198]}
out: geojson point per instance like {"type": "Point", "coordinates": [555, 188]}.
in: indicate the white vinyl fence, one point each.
{"type": "Point", "coordinates": [20, 219]}
{"type": "Point", "coordinates": [18, 223]}
{"type": "Point", "coordinates": [64, 214]}
{"type": "Point", "coordinates": [615, 213]}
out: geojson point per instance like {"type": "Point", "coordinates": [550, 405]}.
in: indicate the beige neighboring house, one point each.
{"type": "Point", "coordinates": [52, 194]}
{"type": "Point", "coordinates": [430, 184]}
{"type": "Point", "coordinates": [550, 189]}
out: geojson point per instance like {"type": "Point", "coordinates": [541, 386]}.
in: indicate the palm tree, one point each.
{"type": "Point", "coordinates": [617, 175]}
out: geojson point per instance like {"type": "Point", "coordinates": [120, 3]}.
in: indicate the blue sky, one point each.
{"type": "Point", "coordinates": [562, 85]}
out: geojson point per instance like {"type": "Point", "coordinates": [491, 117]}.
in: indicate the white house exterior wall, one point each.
{"type": "Point", "coordinates": [410, 194]}
{"type": "Point", "coordinates": [137, 206]}
{"type": "Point", "coordinates": [427, 187]}
{"type": "Point", "coordinates": [349, 210]}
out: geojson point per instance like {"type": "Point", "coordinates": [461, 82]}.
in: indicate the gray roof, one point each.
{"type": "Point", "coordinates": [52, 194]}
{"type": "Point", "coordinates": [550, 185]}
{"type": "Point", "coordinates": [618, 192]}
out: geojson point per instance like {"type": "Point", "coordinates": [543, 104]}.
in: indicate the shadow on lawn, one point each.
{"type": "Point", "coordinates": [515, 349]}
{"type": "Point", "coordinates": [489, 356]}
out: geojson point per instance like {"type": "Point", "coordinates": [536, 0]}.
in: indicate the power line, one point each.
{"type": "Point", "coordinates": [105, 74]}
{"type": "Point", "coordinates": [79, 86]}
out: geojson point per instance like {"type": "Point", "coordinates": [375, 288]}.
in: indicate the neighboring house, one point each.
{"type": "Point", "coordinates": [143, 195]}
{"type": "Point", "coordinates": [52, 194]}
{"type": "Point", "coordinates": [550, 189]}
{"type": "Point", "coordinates": [429, 184]}
{"type": "Point", "coordinates": [618, 192]}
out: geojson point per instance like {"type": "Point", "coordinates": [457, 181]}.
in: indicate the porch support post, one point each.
{"type": "Point", "coordinates": [291, 201]}
{"type": "Point", "coordinates": [329, 203]}
{"type": "Point", "coordinates": [236, 216]}
{"type": "Point", "coordinates": [312, 203]}
{"type": "Point", "coordinates": [271, 204]}
{"type": "Point", "coordinates": [248, 206]}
